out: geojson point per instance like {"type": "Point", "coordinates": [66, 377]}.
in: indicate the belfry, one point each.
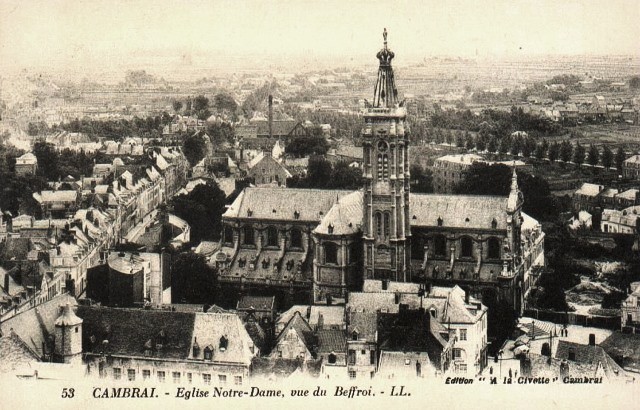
{"type": "Point", "coordinates": [386, 229]}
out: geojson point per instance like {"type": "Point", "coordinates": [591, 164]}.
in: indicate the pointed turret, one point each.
{"type": "Point", "coordinates": [68, 336]}
{"type": "Point", "coordinates": [515, 195]}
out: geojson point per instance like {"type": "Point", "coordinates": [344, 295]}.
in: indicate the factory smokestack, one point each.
{"type": "Point", "coordinates": [270, 116]}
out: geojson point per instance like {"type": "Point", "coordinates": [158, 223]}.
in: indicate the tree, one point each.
{"type": "Point", "coordinates": [554, 151]}
{"type": "Point", "coordinates": [541, 149]}
{"type": "Point", "coordinates": [484, 179]}
{"type": "Point", "coordinates": [192, 280]}
{"type": "Point", "coordinates": [528, 146]}
{"type": "Point", "coordinates": [202, 208]}
{"type": "Point", "coordinates": [492, 145]}
{"type": "Point", "coordinates": [177, 106]}
{"type": "Point", "coordinates": [634, 82]}
{"type": "Point", "coordinates": [421, 179]}
{"type": "Point", "coordinates": [459, 140]}
{"type": "Point", "coordinates": [579, 154]}
{"type": "Point", "coordinates": [194, 149]}
{"type": "Point", "coordinates": [223, 101]}
{"type": "Point", "coordinates": [607, 157]}
{"type": "Point", "coordinates": [516, 145]}
{"type": "Point", "coordinates": [620, 158]}
{"type": "Point", "coordinates": [470, 143]}
{"type": "Point", "coordinates": [593, 156]}
{"type": "Point", "coordinates": [306, 146]}
{"type": "Point", "coordinates": [566, 150]}
{"type": "Point", "coordinates": [201, 107]}
{"type": "Point", "coordinates": [47, 160]}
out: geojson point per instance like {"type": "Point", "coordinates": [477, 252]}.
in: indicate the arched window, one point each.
{"type": "Point", "coordinates": [380, 167]}
{"type": "Point", "coordinates": [546, 349]}
{"type": "Point", "coordinates": [440, 245]}
{"type": "Point", "coordinates": [466, 245]}
{"type": "Point", "coordinates": [249, 238]}
{"type": "Point", "coordinates": [378, 218]}
{"type": "Point", "coordinates": [330, 253]}
{"type": "Point", "coordinates": [387, 224]}
{"type": "Point", "coordinates": [494, 248]}
{"type": "Point", "coordinates": [385, 167]}
{"type": "Point", "coordinates": [208, 353]}
{"type": "Point", "coordinates": [332, 358]}
{"type": "Point", "coordinates": [355, 252]}
{"type": "Point", "coordinates": [296, 238]}
{"type": "Point", "coordinates": [272, 236]}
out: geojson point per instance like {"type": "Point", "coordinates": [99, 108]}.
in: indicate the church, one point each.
{"type": "Point", "coordinates": [326, 242]}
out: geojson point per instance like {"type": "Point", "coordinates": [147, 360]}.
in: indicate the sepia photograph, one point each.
{"type": "Point", "coordinates": [276, 204]}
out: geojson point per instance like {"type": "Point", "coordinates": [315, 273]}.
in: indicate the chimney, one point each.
{"type": "Point", "coordinates": [6, 283]}
{"type": "Point", "coordinates": [270, 116]}
{"type": "Point", "coordinates": [466, 297]}
{"type": "Point", "coordinates": [320, 321]}
{"type": "Point", "coordinates": [592, 339]}
{"type": "Point", "coordinates": [308, 312]}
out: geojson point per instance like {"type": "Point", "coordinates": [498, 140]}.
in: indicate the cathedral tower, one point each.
{"type": "Point", "coordinates": [386, 173]}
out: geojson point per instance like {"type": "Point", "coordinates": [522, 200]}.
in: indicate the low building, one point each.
{"type": "Point", "coordinates": [625, 221]}
{"type": "Point", "coordinates": [264, 170]}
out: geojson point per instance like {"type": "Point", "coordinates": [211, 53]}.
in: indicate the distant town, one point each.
{"type": "Point", "coordinates": [453, 217]}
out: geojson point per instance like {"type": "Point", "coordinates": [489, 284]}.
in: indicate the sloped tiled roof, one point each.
{"type": "Point", "coordinates": [256, 302]}
{"type": "Point", "coordinates": [331, 315]}
{"type": "Point", "coordinates": [458, 211]}
{"type": "Point", "coordinates": [372, 285]}
{"type": "Point", "coordinates": [345, 216]}
{"type": "Point", "coordinates": [372, 302]}
{"type": "Point", "coordinates": [14, 353]}
{"type": "Point", "coordinates": [281, 204]}
{"type": "Point", "coordinates": [301, 327]}
{"type": "Point", "coordinates": [331, 340]}
{"type": "Point", "coordinates": [34, 326]}
{"type": "Point", "coordinates": [130, 332]}
{"type": "Point", "coordinates": [589, 356]}
{"type": "Point", "coordinates": [624, 349]}
{"type": "Point", "coordinates": [210, 328]}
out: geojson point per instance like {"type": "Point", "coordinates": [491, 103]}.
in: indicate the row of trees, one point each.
{"type": "Point", "coordinates": [202, 107]}
{"type": "Point", "coordinates": [116, 130]}
{"type": "Point", "coordinates": [322, 174]}
{"type": "Point", "coordinates": [484, 179]}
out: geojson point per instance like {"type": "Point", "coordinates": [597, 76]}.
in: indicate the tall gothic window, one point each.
{"type": "Point", "coordinates": [296, 238]}
{"type": "Point", "coordinates": [379, 167]}
{"type": "Point", "coordinates": [378, 218]}
{"type": "Point", "coordinates": [330, 253]}
{"type": "Point", "coordinates": [494, 248]}
{"type": "Point", "coordinates": [440, 245]}
{"type": "Point", "coordinates": [466, 244]}
{"type": "Point", "coordinates": [249, 238]}
{"type": "Point", "coordinates": [228, 234]}
{"type": "Point", "coordinates": [272, 236]}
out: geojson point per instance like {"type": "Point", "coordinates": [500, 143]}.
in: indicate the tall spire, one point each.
{"type": "Point", "coordinates": [385, 94]}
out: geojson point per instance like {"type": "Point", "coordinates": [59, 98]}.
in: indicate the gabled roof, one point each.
{"type": "Point", "coordinates": [331, 315]}
{"type": "Point", "coordinates": [589, 189]}
{"type": "Point", "coordinates": [372, 302]}
{"type": "Point", "coordinates": [302, 328]}
{"type": "Point", "coordinates": [14, 353]}
{"type": "Point", "coordinates": [592, 357]}
{"type": "Point", "coordinates": [213, 329]}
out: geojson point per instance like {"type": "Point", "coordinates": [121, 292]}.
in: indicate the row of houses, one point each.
{"type": "Point", "coordinates": [599, 109]}
{"type": "Point", "coordinates": [79, 225]}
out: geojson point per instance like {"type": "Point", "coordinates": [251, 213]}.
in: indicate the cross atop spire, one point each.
{"type": "Point", "coordinates": [385, 94]}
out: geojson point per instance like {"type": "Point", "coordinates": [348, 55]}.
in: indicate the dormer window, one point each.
{"type": "Point", "coordinates": [330, 229]}
{"type": "Point", "coordinates": [249, 212]}
{"type": "Point", "coordinates": [354, 335]}
{"type": "Point", "coordinates": [494, 224]}
{"type": "Point", "coordinates": [440, 221]}
{"type": "Point", "coordinates": [296, 215]}
{"type": "Point", "coordinates": [208, 353]}
{"type": "Point", "coordinates": [224, 342]}
{"type": "Point", "coordinates": [196, 348]}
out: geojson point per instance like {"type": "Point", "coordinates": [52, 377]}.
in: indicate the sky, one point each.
{"type": "Point", "coordinates": [81, 32]}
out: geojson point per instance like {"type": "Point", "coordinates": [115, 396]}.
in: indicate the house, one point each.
{"type": "Point", "coordinates": [318, 316]}
{"type": "Point", "coordinates": [262, 307]}
{"type": "Point", "coordinates": [26, 164]}
{"type": "Point", "coordinates": [631, 167]}
{"type": "Point", "coordinates": [264, 170]}
{"type": "Point", "coordinates": [296, 341]}
{"type": "Point", "coordinates": [631, 310]}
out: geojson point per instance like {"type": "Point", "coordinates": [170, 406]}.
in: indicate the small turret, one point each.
{"type": "Point", "coordinates": [68, 336]}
